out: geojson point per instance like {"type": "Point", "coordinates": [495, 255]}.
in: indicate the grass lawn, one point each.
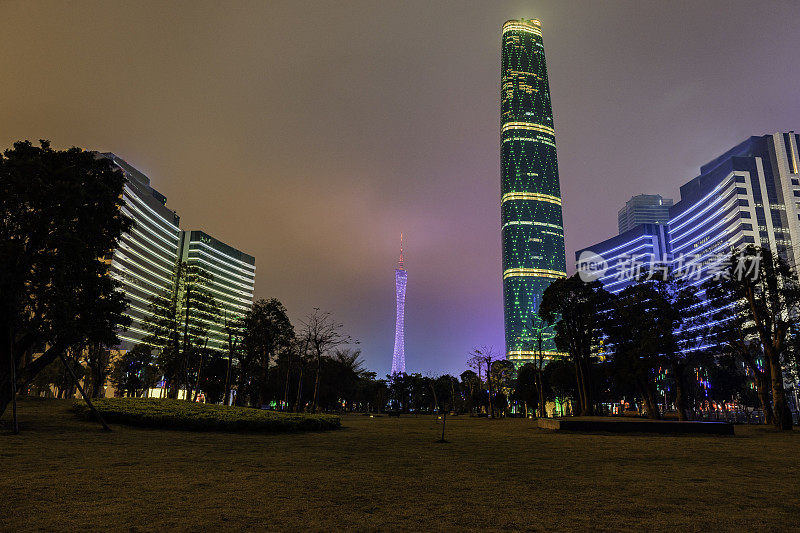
{"type": "Point", "coordinates": [386, 473]}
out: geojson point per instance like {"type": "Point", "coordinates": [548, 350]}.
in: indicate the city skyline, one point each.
{"type": "Point", "coordinates": [309, 149]}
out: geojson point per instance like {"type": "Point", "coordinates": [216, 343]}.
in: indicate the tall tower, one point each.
{"type": "Point", "coordinates": [400, 277]}
{"type": "Point", "coordinates": [532, 226]}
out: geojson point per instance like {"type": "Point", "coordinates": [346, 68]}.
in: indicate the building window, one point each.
{"type": "Point", "coordinates": [743, 201]}
{"type": "Point", "coordinates": [740, 179]}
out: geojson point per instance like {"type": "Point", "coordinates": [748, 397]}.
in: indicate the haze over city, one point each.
{"type": "Point", "coordinates": [311, 134]}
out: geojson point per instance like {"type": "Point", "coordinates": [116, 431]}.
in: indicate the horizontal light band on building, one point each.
{"type": "Point", "coordinates": [527, 354]}
{"type": "Point", "coordinates": [726, 195]}
{"type": "Point", "coordinates": [170, 226]}
{"type": "Point", "coordinates": [531, 223]}
{"type": "Point", "coordinates": [534, 272]}
{"type": "Point", "coordinates": [721, 186]}
{"type": "Point", "coordinates": [529, 126]}
{"type": "Point", "coordinates": [728, 220]}
{"type": "Point", "coordinates": [522, 27]}
{"type": "Point", "coordinates": [201, 243]}
{"type": "Point", "coordinates": [533, 196]}
{"type": "Point", "coordinates": [227, 269]}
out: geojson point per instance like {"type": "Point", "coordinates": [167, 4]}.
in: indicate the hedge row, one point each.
{"type": "Point", "coordinates": [180, 414]}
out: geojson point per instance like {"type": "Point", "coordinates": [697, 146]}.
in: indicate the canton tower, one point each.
{"type": "Point", "coordinates": [530, 203]}
{"type": "Point", "coordinates": [400, 277]}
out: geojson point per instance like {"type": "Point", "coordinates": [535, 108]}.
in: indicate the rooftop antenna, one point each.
{"type": "Point", "coordinates": [400, 261]}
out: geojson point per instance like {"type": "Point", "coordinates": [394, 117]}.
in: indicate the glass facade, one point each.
{"type": "Point", "coordinates": [531, 221]}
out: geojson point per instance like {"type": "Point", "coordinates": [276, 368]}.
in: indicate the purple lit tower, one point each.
{"type": "Point", "coordinates": [400, 277]}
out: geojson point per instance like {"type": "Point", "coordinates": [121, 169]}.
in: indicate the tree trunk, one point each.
{"type": "Point", "coordinates": [680, 391]}
{"type": "Point", "coordinates": [296, 407]}
{"type": "Point", "coordinates": [782, 416]}
{"type": "Point", "coordinates": [316, 383]}
{"type": "Point", "coordinates": [763, 389]}
{"type": "Point", "coordinates": [581, 389]}
{"type": "Point", "coordinates": [489, 382]}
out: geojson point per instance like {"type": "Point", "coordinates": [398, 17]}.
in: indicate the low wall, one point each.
{"type": "Point", "coordinates": [611, 425]}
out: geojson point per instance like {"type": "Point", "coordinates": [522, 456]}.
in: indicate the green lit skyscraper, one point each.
{"type": "Point", "coordinates": [532, 226]}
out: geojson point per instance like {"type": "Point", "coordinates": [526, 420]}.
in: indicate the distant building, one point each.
{"type": "Point", "coordinates": [644, 209]}
{"type": "Point", "coordinates": [748, 195]}
{"type": "Point", "coordinates": [233, 280]}
{"type": "Point", "coordinates": [145, 261]}
{"type": "Point", "coordinates": [532, 226]}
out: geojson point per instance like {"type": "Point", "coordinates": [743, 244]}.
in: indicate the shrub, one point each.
{"type": "Point", "coordinates": [180, 414]}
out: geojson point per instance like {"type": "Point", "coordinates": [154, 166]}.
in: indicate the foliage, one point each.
{"type": "Point", "coordinates": [576, 308]}
{"type": "Point", "coordinates": [267, 333]}
{"type": "Point", "coordinates": [758, 301]}
{"type": "Point", "coordinates": [176, 324]}
{"type": "Point", "coordinates": [134, 371]}
{"type": "Point", "coordinates": [175, 414]}
{"type": "Point", "coordinates": [60, 221]}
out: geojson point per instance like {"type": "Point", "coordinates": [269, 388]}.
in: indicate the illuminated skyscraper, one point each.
{"type": "Point", "coordinates": [532, 226]}
{"type": "Point", "coordinates": [400, 277]}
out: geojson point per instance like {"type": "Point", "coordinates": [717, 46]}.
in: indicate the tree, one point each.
{"type": "Point", "coordinates": [527, 389]}
{"type": "Point", "coordinates": [679, 312]}
{"type": "Point", "coordinates": [177, 324]}
{"type": "Point", "coordinates": [637, 327]}
{"type": "Point", "coordinates": [60, 221]}
{"type": "Point", "coordinates": [267, 331]}
{"type": "Point", "coordinates": [98, 363]}
{"type": "Point", "coordinates": [484, 357]}
{"type": "Point", "coordinates": [134, 372]}
{"type": "Point", "coordinates": [763, 293]}
{"type": "Point", "coordinates": [322, 335]}
{"type": "Point", "coordinates": [576, 310]}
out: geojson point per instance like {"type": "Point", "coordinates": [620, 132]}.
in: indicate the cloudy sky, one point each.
{"type": "Point", "coordinates": [311, 134]}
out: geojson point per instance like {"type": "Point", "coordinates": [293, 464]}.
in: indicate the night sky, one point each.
{"type": "Point", "coordinates": [311, 134]}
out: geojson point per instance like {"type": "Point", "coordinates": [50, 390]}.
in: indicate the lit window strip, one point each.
{"type": "Point", "coordinates": [516, 26]}
{"type": "Point", "coordinates": [527, 354]}
{"type": "Point", "coordinates": [234, 273]}
{"type": "Point", "coordinates": [201, 243]}
{"type": "Point", "coordinates": [535, 272]}
{"type": "Point", "coordinates": [534, 196]}
{"type": "Point", "coordinates": [159, 220]}
{"type": "Point", "coordinates": [245, 284]}
{"type": "Point", "coordinates": [530, 126]}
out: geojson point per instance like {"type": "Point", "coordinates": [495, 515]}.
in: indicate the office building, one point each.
{"type": "Point", "coordinates": [644, 209]}
{"type": "Point", "coordinates": [748, 195]}
{"type": "Point", "coordinates": [531, 220]}
{"type": "Point", "coordinates": [145, 258]}
{"type": "Point", "coordinates": [232, 282]}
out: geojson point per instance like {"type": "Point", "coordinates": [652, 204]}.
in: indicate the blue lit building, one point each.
{"type": "Point", "coordinates": [748, 195]}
